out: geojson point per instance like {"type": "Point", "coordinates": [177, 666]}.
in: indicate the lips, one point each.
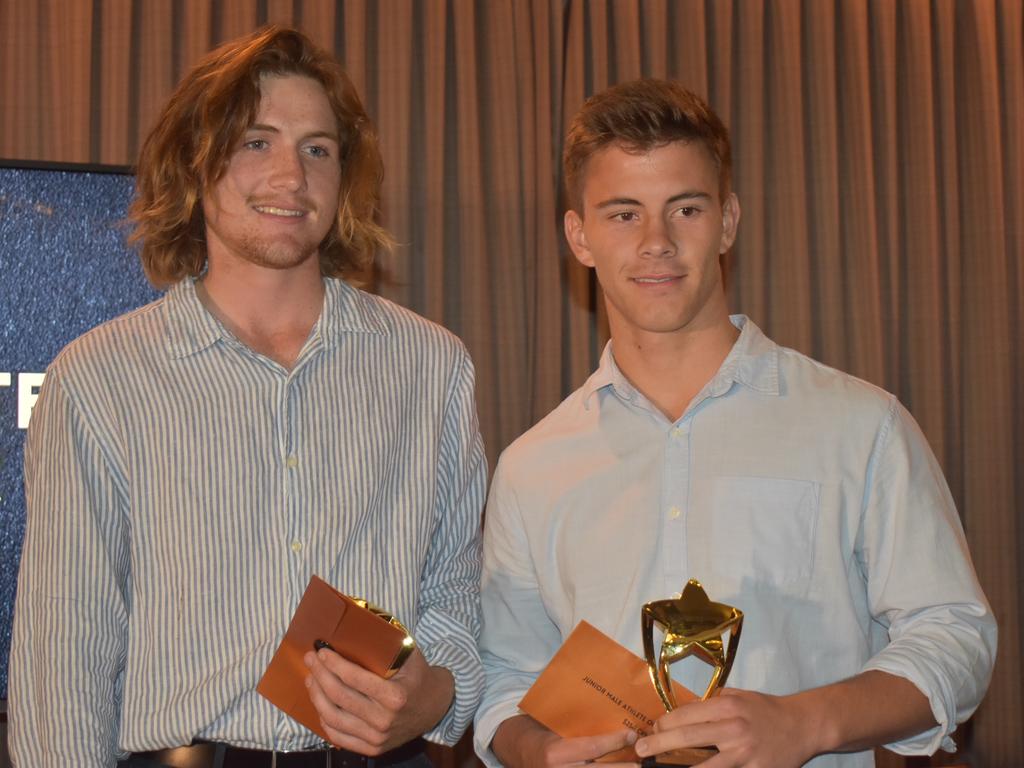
{"type": "Point", "coordinates": [655, 279]}
{"type": "Point", "coordinates": [275, 210]}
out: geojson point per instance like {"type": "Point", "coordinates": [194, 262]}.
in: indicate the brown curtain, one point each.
{"type": "Point", "coordinates": [879, 158]}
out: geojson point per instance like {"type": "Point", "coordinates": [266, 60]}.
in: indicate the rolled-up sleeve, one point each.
{"type": "Point", "coordinates": [921, 583]}
{"type": "Point", "coordinates": [448, 627]}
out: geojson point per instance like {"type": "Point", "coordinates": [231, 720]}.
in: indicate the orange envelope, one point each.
{"type": "Point", "coordinates": [593, 685]}
{"type": "Point", "coordinates": [356, 633]}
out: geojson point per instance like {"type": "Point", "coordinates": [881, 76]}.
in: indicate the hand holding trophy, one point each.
{"type": "Point", "coordinates": [692, 626]}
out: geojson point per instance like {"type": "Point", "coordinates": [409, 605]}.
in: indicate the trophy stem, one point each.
{"type": "Point", "coordinates": [693, 625]}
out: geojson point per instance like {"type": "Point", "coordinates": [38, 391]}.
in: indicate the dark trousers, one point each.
{"type": "Point", "coordinates": [218, 756]}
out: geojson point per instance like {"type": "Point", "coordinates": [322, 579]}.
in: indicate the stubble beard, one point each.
{"type": "Point", "coordinates": [276, 254]}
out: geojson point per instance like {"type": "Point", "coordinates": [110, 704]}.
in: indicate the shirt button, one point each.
{"type": "Point", "coordinates": [675, 512]}
{"type": "Point", "coordinates": [296, 546]}
{"type": "Point", "coordinates": [678, 432]}
{"type": "Point", "coordinates": [291, 462]}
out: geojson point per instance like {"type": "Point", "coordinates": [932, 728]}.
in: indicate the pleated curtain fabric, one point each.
{"type": "Point", "coordinates": [878, 159]}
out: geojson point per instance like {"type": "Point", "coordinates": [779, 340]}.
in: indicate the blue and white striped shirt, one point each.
{"type": "Point", "coordinates": [181, 490]}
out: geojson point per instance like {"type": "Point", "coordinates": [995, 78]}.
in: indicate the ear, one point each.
{"type": "Point", "coordinates": [577, 238]}
{"type": "Point", "coordinates": [730, 222]}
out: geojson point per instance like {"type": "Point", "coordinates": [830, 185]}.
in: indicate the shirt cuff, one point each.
{"type": "Point", "coordinates": [505, 689]}
{"type": "Point", "coordinates": [491, 715]}
{"type": "Point", "coordinates": [467, 672]}
{"type": "Point", "coordinates": [930, 741]}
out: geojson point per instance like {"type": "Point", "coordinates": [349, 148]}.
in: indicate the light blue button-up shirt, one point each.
{"type": "Point", "coordinates": [803, 496]}
{"type": "Point", "coordinates": [181, 490]}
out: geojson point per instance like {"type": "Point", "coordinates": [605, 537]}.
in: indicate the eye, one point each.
{"type": "Point", "coordinates": [255, 144]}
{"type": "Point", "coordinates": [688, 211]}
{"type": "Point", "coordinates": [316, 150]}
{"type": "Point", "coordinates": [624, 216]}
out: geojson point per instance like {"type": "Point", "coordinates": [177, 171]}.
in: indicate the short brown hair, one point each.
{"type": "Point", "coordinates": [639, 116]}
{"type": "Point", "coordinates": [189, 149]}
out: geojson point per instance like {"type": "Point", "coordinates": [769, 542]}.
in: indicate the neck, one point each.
{"type": "Point", "coordinates": [271, 311]}
{"type": "Point", "coordinates": [670, 369]}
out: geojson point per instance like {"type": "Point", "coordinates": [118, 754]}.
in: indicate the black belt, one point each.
{"type": "Point", "coordinates": [215, 755]}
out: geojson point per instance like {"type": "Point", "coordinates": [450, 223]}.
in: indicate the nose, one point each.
{"type": "Point", "coordinates": [287, 171]}
{"type": "Point", "coordinates": [657, 242]}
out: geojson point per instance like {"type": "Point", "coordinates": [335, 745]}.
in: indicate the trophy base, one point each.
{"type": "Point", "coordinates": [679, 757]}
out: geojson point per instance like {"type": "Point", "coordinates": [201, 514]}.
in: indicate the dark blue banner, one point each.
{"type": "Point", "coordinates": [65, 268]}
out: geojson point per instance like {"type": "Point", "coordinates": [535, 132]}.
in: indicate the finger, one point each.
{"type": "Point", "coordinates": [344, 728]}
{"type": "Point", "coordinates": [354, 742]}
{"type": "Point", "coordinates": [606, 743]}
{"type": "Point", "coordinates": [684, 737]}
{"type": "Point", "coordinates": [349, 672]}
{"type": "Point", "coordinates": [385, 693]}
{"type": "Point", "coordinates": [689, 714]}
{"type": "Point", "coordinates": [335, 715]}
{"type": "Point", "coordinates": [331, 693]}
{"type": "Point", "coordinates": [335, 677]}
{"type": "Point", "coordinates": [588, 748]}
{"type": "Point", "coordinates": [351, 675]}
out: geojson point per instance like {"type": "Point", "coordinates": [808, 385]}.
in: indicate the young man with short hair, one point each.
{"type": "Point", "coordinates": [700, 449]}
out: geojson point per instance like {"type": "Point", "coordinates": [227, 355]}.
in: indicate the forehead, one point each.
{"type": "Point", "coordinates": [618, 166]}
{"type": "Point", "coordinates": [296, 98]}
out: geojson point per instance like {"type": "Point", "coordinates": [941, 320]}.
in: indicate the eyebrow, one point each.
{"type": "Point", "coordinates": [312, 135]}
{"type": "Point", "coordinates": [688, 195]}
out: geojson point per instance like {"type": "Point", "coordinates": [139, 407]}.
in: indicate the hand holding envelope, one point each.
{"type": "Point", "coordinates": [364, 636]}
{"type": "Point", "coordinates": [365, 713]}
{"type": "Point", "coordinates": [593, 685]}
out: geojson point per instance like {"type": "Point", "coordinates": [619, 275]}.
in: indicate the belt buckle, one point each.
{"type": "Point", "coordinates": [323, 746]}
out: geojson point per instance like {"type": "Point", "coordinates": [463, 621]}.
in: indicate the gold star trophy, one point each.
{"type": "Point", "coordinates": [692, 626]}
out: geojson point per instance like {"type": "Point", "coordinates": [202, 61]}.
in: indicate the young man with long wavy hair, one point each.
{"type": "Point", "coordinates": [192, 464]}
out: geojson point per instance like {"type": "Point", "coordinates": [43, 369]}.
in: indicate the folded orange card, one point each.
{"type": "Point", "coordinates": [356, 633]}
{"type": "Point", "coordinates": [593, 685]}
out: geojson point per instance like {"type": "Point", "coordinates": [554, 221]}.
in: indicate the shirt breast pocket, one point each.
{"type": "Point", "coordinates": [762, 534]}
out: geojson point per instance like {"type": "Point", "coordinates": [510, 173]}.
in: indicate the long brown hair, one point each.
{"type": "Point", "coordinates": [189, 149]}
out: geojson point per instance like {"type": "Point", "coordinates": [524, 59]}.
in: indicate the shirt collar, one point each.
{"type": "Point", "coordinates": [753, 362]}
{"type": "Point", "coordinates": [191, 328]}
{"type": "Point", "coordinates": [349, 310]}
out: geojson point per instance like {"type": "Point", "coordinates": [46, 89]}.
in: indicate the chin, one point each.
{"type": "Point", "coordinates": [280, 256]}
{"type": "Point", "coordinates": [664, 324]}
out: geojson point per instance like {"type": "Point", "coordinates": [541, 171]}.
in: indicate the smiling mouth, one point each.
{"type": "Point", "coordinates": [656, 280]}
{"type": "Point", "coordinates": [275, 211]}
